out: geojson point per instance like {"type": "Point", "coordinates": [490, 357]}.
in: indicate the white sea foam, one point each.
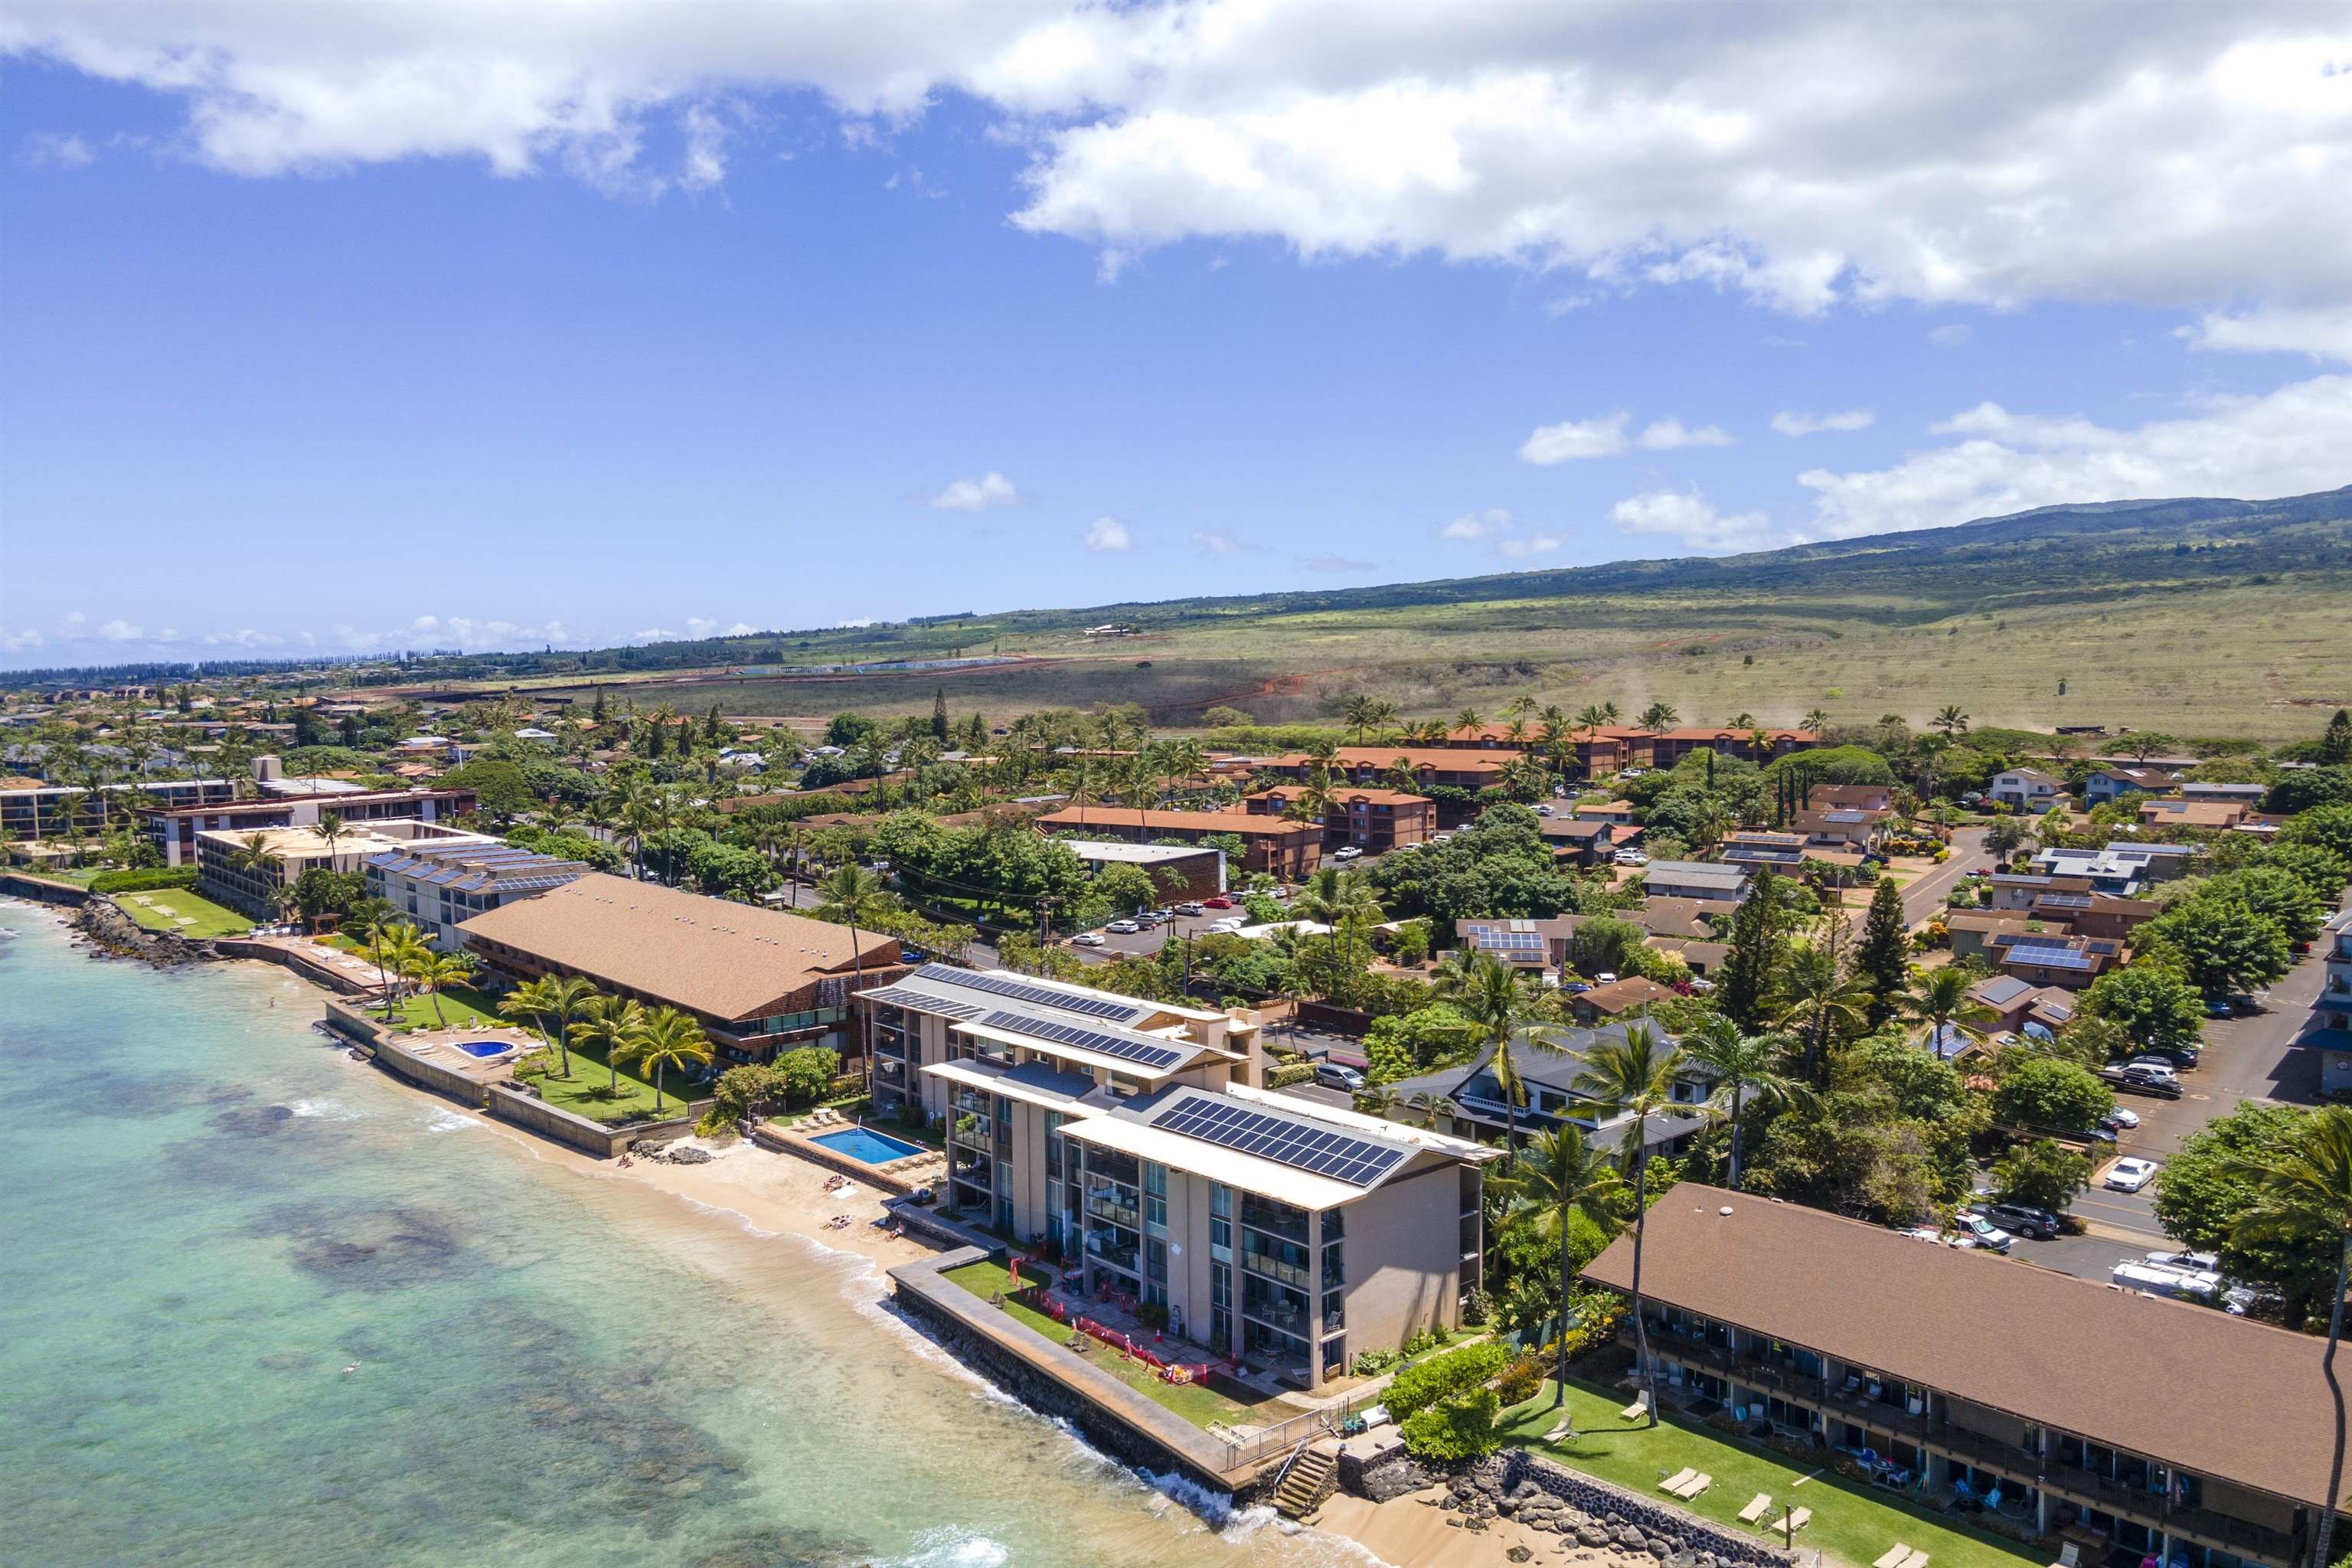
{"type": "Point", "coordinates": [451, 1121]}
{"type": "Point", "coordinates": [325, 1110]}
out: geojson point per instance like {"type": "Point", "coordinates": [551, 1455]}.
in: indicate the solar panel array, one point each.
{"type": "Point", "coordinates": [1119, 1045]}
{"type": "Point", "coordinates": [2048, 955]}
{"type": "Point", "coordinates": [1491, 938]}
{"type": "Point", "coordinates": [907, 996]}
{"type": "Point", "coordinates": [1299, 1144]}
{"type": "Point", "coordinates": [2065, 900]}
{"type": "Point", "coordinates": [1019, 990]}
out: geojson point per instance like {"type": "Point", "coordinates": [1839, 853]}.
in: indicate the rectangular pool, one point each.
{"type": "Point", "coordinates": [867, 1146]}
{"type": "Point", "coordinates": [486, 1049]}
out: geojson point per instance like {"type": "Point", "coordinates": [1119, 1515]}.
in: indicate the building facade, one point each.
{"type": "Point", "coordinates": [1374, 820]}
{"type": "Point", "coordinates": [440, 886]}
{"type": "Point", "coordinates": [172, 827]}
{"type": "Point", "coordinates": [248, 869]}
{"type": "Point", "coordinates": [1281, 848]}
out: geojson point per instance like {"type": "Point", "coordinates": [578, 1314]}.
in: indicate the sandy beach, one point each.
{"type": "Point", "coordinates": [1411, 1532]}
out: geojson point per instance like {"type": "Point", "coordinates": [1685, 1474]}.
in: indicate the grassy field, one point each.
{"type": "Point", "coordinates": [460, 1004]}
{"type": "Point", "coordinates": [1853, 1524]}
{"type": "Point", "coordinates": [590, 1075]}
{"type": "Point", "coordinates": [1200, 1405]}
{"type": "Point", "coordinates": [166, 906]}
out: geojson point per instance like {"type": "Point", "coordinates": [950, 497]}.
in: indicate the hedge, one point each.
{"type": "Point", "coordinates": [1295, 1073]}
{"type": "Point", "coordinates": [1442, 1377]}
{"type": "Point", "coordinates": [143, 882]}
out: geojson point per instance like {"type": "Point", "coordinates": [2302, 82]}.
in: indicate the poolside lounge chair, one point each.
{"type": "Point", "coordinates": [1797, 1521]}
{"type": "Point", "coordinates": [1566, 1428]}
{"type": "Point", "coordinates": [1683, 1476]}
{"type": "Point", "coordinates": [1917, 1560]}
{"type": "Point", "coordinates": [1637, 1410]}
{"type": "Point", "coordinates": [1756, 1507]}
{"type": "Point", "coordinates": [2069, 1556]}
{"type": "Point", "coordinates": [1696, 1485]}
{"type": "Point", "coordinates": [1895, 1555]}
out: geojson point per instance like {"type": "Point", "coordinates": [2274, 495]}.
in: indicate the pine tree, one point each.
{"type": "Point", "coordinates": [1885, 956]}
{"type": "Point", "coordinates": [2336, 746]}
{"type": "Point", "coordinates": [710, 724]}
{"type": "Point", "coordinates": [598, 711]}
{"type": "Point", "coordinates": [1745, 981]}
{"type": "Point", "coordinates": [940, 715]}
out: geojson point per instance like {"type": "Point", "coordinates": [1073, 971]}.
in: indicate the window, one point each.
{"type": "Point", "coordinates": [1155, 1195]}
{"type": "Point", "coordinates": [1221, 1223]}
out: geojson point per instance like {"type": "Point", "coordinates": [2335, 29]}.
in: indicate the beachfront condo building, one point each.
{"type": "Point", "coordinates": [1852, 1337]}
{"type": "Point", "coordinates": [440, 886]}
{"type": "Point", "coordinates": [758, 981]}
{"type": "Point", "coordinates": [1132, 1139]}
{"type": "Point", "coordinates": [248, 869]}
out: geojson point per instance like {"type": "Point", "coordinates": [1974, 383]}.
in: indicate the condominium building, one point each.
{"type": "Point", "coordinates": [1279, 847]}
{"type": "Point", "coordinates": [758, 981]}
{"type": "Point", "coordinates": [1374, 820]}
{"type": "Point", "coordinates": [32, 810]}
{"type": "Point", "coordinates": [173, 826]}
{"type": "Point", "coordinates": [1131, 1137]}
{"type": "Point", "coordinates": [441, 885]}
{"type": "Point", "coordinates": [2327, 1033]}
{"type": "Point", "coordinates": [1469, 1103]}
{"type": "Point", "coordinates": [1852, 1337]}
{"type": "Point", "coordinates": [247, 870]}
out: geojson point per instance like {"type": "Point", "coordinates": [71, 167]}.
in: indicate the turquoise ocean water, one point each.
{"type": "Point", "coordinates": [212, 1214]}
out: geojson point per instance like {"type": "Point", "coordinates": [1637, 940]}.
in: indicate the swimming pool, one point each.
{"type": "Point", "coordinates": [867, 1146]}
{"type": "Point", "coordinates": [485, 1049]}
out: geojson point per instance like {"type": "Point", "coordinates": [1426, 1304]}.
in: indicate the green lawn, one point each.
{"type": "Point", "coordinates": [211, 919]}
{"type": "Point", "coordinates": [1850, 1523]}
{"type": "Point", "coordinates": [591, 1075]}
{"type": "Point", "coordinates": [460, 1004]}
{"type": "Point", "coordinates": [1199, 1405]}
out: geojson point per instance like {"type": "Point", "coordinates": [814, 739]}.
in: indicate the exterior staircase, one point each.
{"type": "Point", "coordinates": [1308, 1481]}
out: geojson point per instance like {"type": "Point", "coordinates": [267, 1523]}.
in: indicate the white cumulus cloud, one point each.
{"type": "Point", "coordinates": [1517, 549]}
{"type": "Point", "coordinates": [1665, 434]}
{"type": "Point", "coordinates": [2322, 334]}
{"type": "Point", "coordinates": [1574, 438]}
{"type": "Point", "coordinates": [1215, 543]}
{"type": "Point", "coordinates": [1792, 423]}
{"type": "Point", "coordinates": [120, 630]}
{"type": "Point", "coordinates": [1476, 524]}
{"type": "Point", "coordinates": [991, 489]}
{"type": "Point", "coordinates": [2292, 441]}
{"type": "Point", "coordinates": [1108, 533]}
{"type": "Point", "coordinates": [1687, 516]}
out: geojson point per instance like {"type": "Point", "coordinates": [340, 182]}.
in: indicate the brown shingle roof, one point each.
{"type": "Point", "coordinates": [1623, 995]}
{"type": "Point", "coordinates": [2237, 1400]}
{"type": "Point", "coordinates": [1245, 824]}
{"type": "Point", "coordinates": [1463, 760]}
{"type": "Point", "coordinates": [708, 955]}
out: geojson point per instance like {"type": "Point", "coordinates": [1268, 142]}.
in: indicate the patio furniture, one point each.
{"type": "Point", "coordinates": [1676, 1482]}
{"type": "Point", "coordinates": [1894, 1555]}
{"type": "Point", "coordinates": [1565, 1429]}
{"type": "Point", "coordinates": [1696, 1485]}
{"type": "Point", "coordinates": [1852, 1382]}
{"type": "Point", "coordinates": [1917, 1560]}
{"type": "Point", "coordinates": [1637, 1410]}
{"type": "Point", "coordinates": [2069, 1556]}
{"type": "Point", "coordinates": [1756, 1507]}
{"type": "Point", "coordinates": [1797, 1521]}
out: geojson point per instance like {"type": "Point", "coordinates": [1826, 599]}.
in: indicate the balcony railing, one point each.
{"type": "Point", "coordinates": [1275, 1315]}
{"type": "Point", "coordinates": [1104, 1249]}
{"type": "Point", "coordinates": [1110, 1209]}
{"type": "Point", "coordinates": [1269, 1268]}
{"type": "Point", "coordinates": [2019, 1464]}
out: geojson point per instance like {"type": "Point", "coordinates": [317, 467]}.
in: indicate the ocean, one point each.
{"type": "Point", "coordinates": [260, 1305]}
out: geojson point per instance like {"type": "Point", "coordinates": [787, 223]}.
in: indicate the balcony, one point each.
{"type": "Point", "coordinates": [1280, 1315]}
{"type": "Point", "coordinates": [2020, 1465]}
{"type": "Point", "coordinates": [1266, 1267]}
{"type": "Point", "coordinates": [1108, 1207]}
{"type": "Point", "coordinates": [1104, 1247]}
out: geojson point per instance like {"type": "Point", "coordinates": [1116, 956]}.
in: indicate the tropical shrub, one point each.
{"type": "Point", "coordinates": [1521, 1379]}
{"type": "Point", "coordinates": [143, 882]}
{"type": "Point", "coordinates": [1443, 1377]}
{"type": "Point", "coordinates": [1458, 1429]}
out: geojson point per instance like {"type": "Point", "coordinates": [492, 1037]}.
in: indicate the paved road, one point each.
{"type": "Point", "coordinates": [1924, 894]}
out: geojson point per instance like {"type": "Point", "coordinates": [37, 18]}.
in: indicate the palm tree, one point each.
{"type": "Point", "coordinates": [330, 830]}
{"type": "Point", "coordinates": [851, 895]}
{"type": "Point", "coordinates": [1746, 1071]}
{"type": "Point", "coordinates": [1469, 721]}
{"type": "Point", "coordinates": [1357, 714]}
{"type": "Point", "coordinates": [398, 953]}
{"type": "Point", "coordinates": [1634, 1076]}
{"type": "Point", "coordinates": [1950, 720]}
{"type": "Point", "coordinates": [1819, 999]}
{"type": "Point", "coordinates": [666, 1038]}
{"type": "Point", "coordinates": [528, 1001]}
{"type": "Point", "coordinates": [436, 973]}
{"type": "Point", "coordinates": [1816, 720]}
{"type": "Point", "coordinates": [607, 1023]}
{"type": "Point", "coordinates": [1492, 994]}
{"type": "Point", "coordinates": [1564, 1176]}
{"type": "Point", "coordinates": [2302, 1193]}
{"type": "Point", "coordinates": [1384, 715]}
{"type": "Point", "coordinates": [1940, 998]}
{"type": "Point", "coordinates": [1345, 903]}
{"type": "Point", "coordinates": [1658, 716]}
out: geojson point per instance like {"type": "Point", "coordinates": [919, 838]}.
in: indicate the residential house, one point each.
{"type": "Point", "coordinates": [2104, 784]}
{"type": "Point", "coordinates": [1695, 879]}
{"type": "Point", "coordinates": [758, 981]}
{"type": "Point", "coordinates": [1783, 852]}
{"type": "Point", "coordinates": [1282, 849]}
{"type": "Point", "coordinates": [1431, 769]}
{"type": "Point", "coordinates": [440, 885]}
{"type": "Point", "coordinates": [2020, 1007]}
{"type": "Point", "coordinates": [2069, 963]}
{"type": "Point", "coordinates": [1578, 843]}
{"type": "Point", "coordinates": [1663, 915]}
{"type": "Point", "coordinates": [2121, 867]}
{"type": "Point", "coordinates": [2028, 789]}
{"type": "Point", "coordinates": [2095, 914]}
{"type": "Point", "coordinates": [1468, 1102]}
{"type": "Point", "coordinates": [1972, 931]}
{"type": "Point", "coordinates": [1618, 999]}
{"type": "Point", "coordinates": [1617, 811]}
{"type": "Point", "coordinates": [2213, 816]}
{"type": "Point", "coordinates": [1853, 1336]}
{"type": "Point", "coordinates": [1841, 826]}
{"type": "Point", "coordinates": [1666, 748]}
{"type": "Point", "coordinates": [1374, 820]}
{"type": "Point", "coordinates": [1850, 798]}
{"type": "Point", "coordinates": [2328, 1032]}
{"type": "Point", "coordinates": [1178, 871]}
{"type": "Point", "coordinates": [2248, 796]}
{"type": "Point", "coordinates": [1527, 944]}
{"type": "Point", "coordinates": [1131, 1137]}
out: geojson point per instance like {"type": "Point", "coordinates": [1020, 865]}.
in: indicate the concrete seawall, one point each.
{"type": "Point", "coordinates": [41, 890]}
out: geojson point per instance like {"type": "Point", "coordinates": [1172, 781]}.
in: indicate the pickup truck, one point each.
{"type": "Point", "coordinates": [2139, 1080]}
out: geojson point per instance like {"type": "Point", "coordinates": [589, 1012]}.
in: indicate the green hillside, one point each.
{"type": "Point", "coordinates": [2212, 618]}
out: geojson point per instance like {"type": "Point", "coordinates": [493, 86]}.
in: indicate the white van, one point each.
{"type": "Point", "coordinates": [2178, 1284]}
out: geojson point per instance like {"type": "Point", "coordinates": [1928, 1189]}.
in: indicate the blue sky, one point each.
{"type": "Point", "coordinates": [289, 365]}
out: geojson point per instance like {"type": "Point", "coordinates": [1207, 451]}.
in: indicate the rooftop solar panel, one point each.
{"type": "Point", "coordinates": [1138, 1051]}
{"type": "Point", "coordinates": [1019, 990]}
{"type": "Point", "coordinates": [1301, 1145]}
{"type": "Point", "coordinates": [906, 996]}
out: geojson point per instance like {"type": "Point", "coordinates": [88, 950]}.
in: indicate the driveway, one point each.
{"type": "Point", "coordinates": [1924, 894]}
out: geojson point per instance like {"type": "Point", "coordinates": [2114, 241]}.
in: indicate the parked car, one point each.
{"type": "Point", "coordinates": [1219, 902]}
{"type": "Point", "coordinates": [1980, 1230]}
{"type": "Point", "coordinates": [1338, 1075]}
{"type": "Point", "coordinates": [1606, 977]}
{"type": "Point", "coordinates": [2175, 1283]}
{"type": "Point", "coordinates": [2101, 1133]}
{"type": "Point", "coordinates": [2158, 1067]}
{"type": "Point", "coordinates": [1630, 857]}
{"type": "Point", "coordinates": [1122, 927]}
{"type": "Point", "coordinates": [1191, 907]}
{"type": "Point", "coordinates": [1543, 811]}
{"type": "Point", "coordinates": [1347, 852]}
{"type": "Point", "coordinates": [1227, 926]}
{"type": "Point", "coordinates": [2129, 1175]}
{"type": "Point", "coordinates": [1087, 939]}
{"type": "Point", "coordinates": [2177, 1057]}
{"type": "Point", "coordinates": [2196, 1262]}
{"type": "Point", "coordinates": [2020, 1219]}
{"type": "Point", "coordinates": [2121, 1118]}
{"type": "Point", "coordinates": [2141, 1080]}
